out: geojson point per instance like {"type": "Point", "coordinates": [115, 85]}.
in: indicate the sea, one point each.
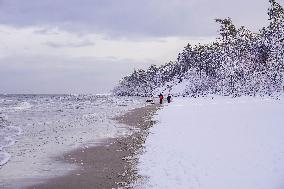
{"type": "Point", "coordinates": [34, 129]}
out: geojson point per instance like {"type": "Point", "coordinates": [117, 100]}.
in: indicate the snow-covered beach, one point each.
{"type": "Point", "coordinates": [200, 143]}
{"type": "Point", "coordinates": [181, 94]}
{"type": "Point", "coordinates": [219, 143]}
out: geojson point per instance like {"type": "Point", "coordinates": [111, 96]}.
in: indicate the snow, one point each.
{"type": "Point", "coordinates": [219, 143]}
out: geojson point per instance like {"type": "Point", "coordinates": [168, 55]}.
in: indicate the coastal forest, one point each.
{"type": "Point", "coordinates": [239, 62]}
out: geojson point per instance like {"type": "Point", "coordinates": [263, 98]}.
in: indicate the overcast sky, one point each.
{"type": "Point", "coordinates": [86, 46]}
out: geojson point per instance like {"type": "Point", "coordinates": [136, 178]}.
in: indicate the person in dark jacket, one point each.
{"type": "Point", "coordinates": [161, 97]}
{"type": "Point", "coordinates": [169, 98]}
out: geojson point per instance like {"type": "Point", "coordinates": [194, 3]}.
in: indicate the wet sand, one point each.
{"type": "Point", "coordinates": [111, 164]}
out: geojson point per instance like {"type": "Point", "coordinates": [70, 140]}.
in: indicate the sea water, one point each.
{"type": "Point", "coordinates": [8, 133]}
{"type": "Point", "coordinates": [34, 129]}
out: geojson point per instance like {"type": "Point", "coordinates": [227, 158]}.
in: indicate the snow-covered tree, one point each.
{"type": "Point", "coordinates": [238, 63]}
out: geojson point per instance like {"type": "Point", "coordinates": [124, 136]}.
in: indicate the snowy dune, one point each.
{"type": "Point", "coordinates": [219, 143]}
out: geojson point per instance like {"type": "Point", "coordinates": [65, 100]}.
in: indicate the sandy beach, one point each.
{"type": "Point", "coordinates": [112, 163]}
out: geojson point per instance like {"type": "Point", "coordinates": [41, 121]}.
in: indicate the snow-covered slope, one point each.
{"type": "Point", "coordinates": [238, 63]}
{"type": "Point", "coordinates": [219, 143]}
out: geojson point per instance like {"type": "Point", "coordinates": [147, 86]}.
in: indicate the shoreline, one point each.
{"type": "Point", "coordinates": [110, 164]}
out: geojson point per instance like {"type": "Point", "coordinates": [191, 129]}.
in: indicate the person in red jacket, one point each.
{"type": "Point", "coordinates": [161, 98]}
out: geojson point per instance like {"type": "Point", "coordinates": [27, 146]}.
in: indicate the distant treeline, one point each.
{"type": "Point", "coordinates": [238, 63]}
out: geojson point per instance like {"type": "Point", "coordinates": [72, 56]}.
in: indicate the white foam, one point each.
{"type": "Point", "coordinates": [3, 117]}
{"type": "Point", "coordinates": [23, 106]}
{"type": "Point", "coordinates": [4, 158]}
{"type": "Point", "coordinates": [8, 141]}
{"type": "Point", "coordinates": [14, 130]}
{"type": "Point", "coordinates": [7, 138]}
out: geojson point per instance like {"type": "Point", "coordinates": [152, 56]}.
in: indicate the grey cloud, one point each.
{"type": "Point", "coordinates": [46, 31]}
{"type": "Point", "coordinates": [132, 18]}
{"type": "Point", "coordinates": [78, 44]}
{"type": "Point", "coordinates": [46, 74]}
